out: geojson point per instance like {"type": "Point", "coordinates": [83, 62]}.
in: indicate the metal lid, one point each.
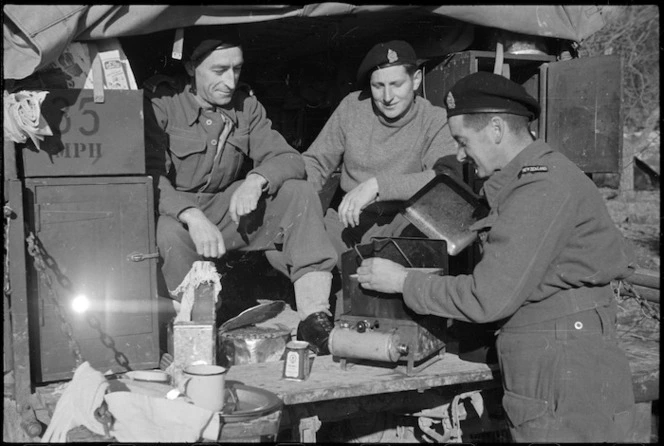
{"type": "Point", "coordinates": [254, 332]}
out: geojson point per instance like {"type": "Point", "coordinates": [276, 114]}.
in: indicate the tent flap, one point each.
{"type": "Point", "coordinates": [35, 35]}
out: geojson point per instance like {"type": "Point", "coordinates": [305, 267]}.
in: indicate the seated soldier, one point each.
{"type": "Point", "coordinates": [199, 131]}
{"type": "Point", "coordinates": [386, 140]}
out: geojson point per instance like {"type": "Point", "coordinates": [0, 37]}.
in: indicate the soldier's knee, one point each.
{"type": "Point", "coordinates": [170, 232]}
{"type": "Point", "coordinates": [299, 190]}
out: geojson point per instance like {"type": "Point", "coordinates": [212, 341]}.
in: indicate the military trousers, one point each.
{"type": "Point", "coordinates": [288, 224]}
{"type": "Point", "coordinates": [567, 380]}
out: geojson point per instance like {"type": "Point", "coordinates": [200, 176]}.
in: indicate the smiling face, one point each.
{"type": "Point", "coordinates": [393, 90]}
{"type": "Point", "coordinates": [477, 147]}
{"type": "Point", "coordinates": [217, 75]}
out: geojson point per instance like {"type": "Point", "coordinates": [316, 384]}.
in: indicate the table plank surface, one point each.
{"type": "Point", "coordinates": [328, 381]}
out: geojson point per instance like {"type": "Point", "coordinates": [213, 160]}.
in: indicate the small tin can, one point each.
{"type": "Point", "coordinates": [297, 363]}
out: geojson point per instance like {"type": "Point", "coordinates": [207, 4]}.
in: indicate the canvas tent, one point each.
{"type": "Point", "coordinates": [35, 35]}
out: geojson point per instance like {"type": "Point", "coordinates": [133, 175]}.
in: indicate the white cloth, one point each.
{"type": "Point", "coordinates": [76, 407]}
{"type": "Point", "coordinates": [201, 272]}
{"type": "Point", "coordinates": [142, 418]}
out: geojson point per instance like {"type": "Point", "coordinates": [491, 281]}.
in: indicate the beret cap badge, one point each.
{"type": "Point", "coordinates": [392, 56]}
{"type": "Point", "coordinates": [450, 101]}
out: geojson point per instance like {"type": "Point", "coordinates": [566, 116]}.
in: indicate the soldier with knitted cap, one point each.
{"type": "Point", "coordinates": [199, 131]}
{"type": "Point", "coordinates": [385, 140]}
{"type": "Point", "coordinates": [549, 254]}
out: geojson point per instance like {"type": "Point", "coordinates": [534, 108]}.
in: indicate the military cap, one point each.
{"type": "Point", "coordinates": [386, 54]}
{"type": "Point", "coordinates": [485, 92]}
{"type": "Point", "coordinates": [199, 41]}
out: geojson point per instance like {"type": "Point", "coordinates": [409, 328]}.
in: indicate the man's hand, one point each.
{"type": "Point", "coordinates": [205, 235]}
{"type": "Point", "coordinates": [381, 275]}
{"type": "Point", "coordinates": [356, 200]}
{"type": "Point", "coordinates": [245, 198]}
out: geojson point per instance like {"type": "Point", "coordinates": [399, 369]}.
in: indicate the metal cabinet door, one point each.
{"type": "Point", "coordinates": [88, 227]}
{"type": "Point", "coordinates": [583, 111]}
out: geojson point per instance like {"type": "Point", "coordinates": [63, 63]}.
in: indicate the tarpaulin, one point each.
{"type": "Point", "coordinates": [35, 35]}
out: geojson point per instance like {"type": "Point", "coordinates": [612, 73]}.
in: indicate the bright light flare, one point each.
{"type": "Point", "coordinates": [80, 304]}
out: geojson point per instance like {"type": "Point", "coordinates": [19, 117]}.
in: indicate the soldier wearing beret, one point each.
{"type": "Point", "coordinates": [385, 139]}
{"type": "Point", "coordinates": [199, 131]}
{"type": "Point", "coordinates": [549, 255]}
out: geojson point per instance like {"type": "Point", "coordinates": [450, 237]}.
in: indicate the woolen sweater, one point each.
{"type": "Point", "coordinates": [399, 154]}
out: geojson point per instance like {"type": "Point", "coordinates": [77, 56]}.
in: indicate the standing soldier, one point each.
{"type": "Point", "coordinates": [550, 253]}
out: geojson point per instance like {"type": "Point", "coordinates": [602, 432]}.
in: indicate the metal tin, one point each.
{"type": "Point", "coordinates": [252, 345]}
{"type": "Point", "coordinates": [297, 363]}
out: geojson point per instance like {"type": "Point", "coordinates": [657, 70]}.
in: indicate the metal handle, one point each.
{"type": "Point", "coordinates": [139, 256]}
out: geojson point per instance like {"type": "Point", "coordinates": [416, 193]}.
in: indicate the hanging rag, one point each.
{"type": "Point", "coordinates": [22, 117]}
{"type": "Point", "coordinates": [142, 418]}
{"type": "Point", "coordinates": [201, 272]}
{"type": "Point", "coordinates": [77, 405]}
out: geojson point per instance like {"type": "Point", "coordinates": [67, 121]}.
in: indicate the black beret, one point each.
{"type": "Point", "coordinates": [386, 54]}
{"type": "Point", "coordinates": [485, 92]}
{"type": "Point", "coordinates": [199, 41]}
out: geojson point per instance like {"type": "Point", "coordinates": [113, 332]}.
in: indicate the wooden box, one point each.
{"type": "Point", "coordinates": [89, 138]}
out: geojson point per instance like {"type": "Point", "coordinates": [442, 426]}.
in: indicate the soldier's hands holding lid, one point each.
{"type": "Point", "coordinates": [381, 275]}
{"type": "Point", "coordinates": [205, 234]}
{"type": "Point", "coordinates": [357, 199]}
{"type": "Point", "coordinates": [245, 198]}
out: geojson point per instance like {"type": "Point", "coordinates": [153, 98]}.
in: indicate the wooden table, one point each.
{"type": "Point", "coordinates": [331, 393]}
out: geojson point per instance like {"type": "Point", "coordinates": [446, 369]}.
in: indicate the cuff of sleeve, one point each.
{"type": "Point", "coordinates": [385, 191]}
{"type": "Point", "coordinates": [413, 291]}
{"type": "Point", "coordinates": [273, 183]}
{"type": "Point", "coordinates": [173, 206]}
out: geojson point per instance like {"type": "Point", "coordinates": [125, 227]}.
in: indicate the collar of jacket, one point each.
{"type": "Point", "coordinates": [403, 120]}
{"type": "Point", "coordinates": [497, 182]}
{"type": "Point", "coordinates": [194, 109]}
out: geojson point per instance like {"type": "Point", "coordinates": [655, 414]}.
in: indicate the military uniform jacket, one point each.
{"type": "Point", "coordinates": [551, 248]}
{"type": "Point", "coordinates": [191, 150]}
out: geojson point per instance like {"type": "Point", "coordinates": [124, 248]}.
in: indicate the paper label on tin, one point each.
{"type": "Point", "coordinates": [292, 369]}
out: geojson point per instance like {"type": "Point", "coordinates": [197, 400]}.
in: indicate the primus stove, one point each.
{"type": "Point", "coordinates": [379, 327]}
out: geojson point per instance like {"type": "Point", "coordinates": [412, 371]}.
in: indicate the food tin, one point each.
{"type": "Point", "coordinates": [297, 363]}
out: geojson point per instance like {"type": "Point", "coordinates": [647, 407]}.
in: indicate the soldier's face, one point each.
{"type": "Point", "coordinates": [476, 147]}
{"type": "Point", "coordinates": [393, 90]}
{"type": "Point", "coordinates": [218, 74]}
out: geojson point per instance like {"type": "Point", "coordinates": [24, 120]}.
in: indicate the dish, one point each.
{"type": "Point", "coordinates": [148, 375]}
{"type": "Point", "coordinates": [244, 403]}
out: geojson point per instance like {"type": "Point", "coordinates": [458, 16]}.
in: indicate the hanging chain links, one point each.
{"type": "Point", "coordinates": [40, 265]}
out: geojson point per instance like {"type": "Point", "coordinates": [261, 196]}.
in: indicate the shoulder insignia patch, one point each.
{"type": "Point", "coordinates": [533, 169]}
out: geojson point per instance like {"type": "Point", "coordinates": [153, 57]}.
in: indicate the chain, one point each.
{"type": "Point", "coordinates": [65, 326]}
{"type": "Point", "coordinates": [108, 342]}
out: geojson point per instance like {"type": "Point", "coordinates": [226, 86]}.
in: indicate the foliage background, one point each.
{"type": "Point", "coordinates": [632, 32]}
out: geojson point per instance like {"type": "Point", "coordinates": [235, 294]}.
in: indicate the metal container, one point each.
{"type": "Point", "coordinates": [372, 345]}
{"type": "Point", "coordinates": [297, 364]}
{"type": "Point", "coordinates": [193, 342]}
{"type": "Point", "coordinates": [252, 345]}
{"type": "Point", "coordinates": [446, 209]}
